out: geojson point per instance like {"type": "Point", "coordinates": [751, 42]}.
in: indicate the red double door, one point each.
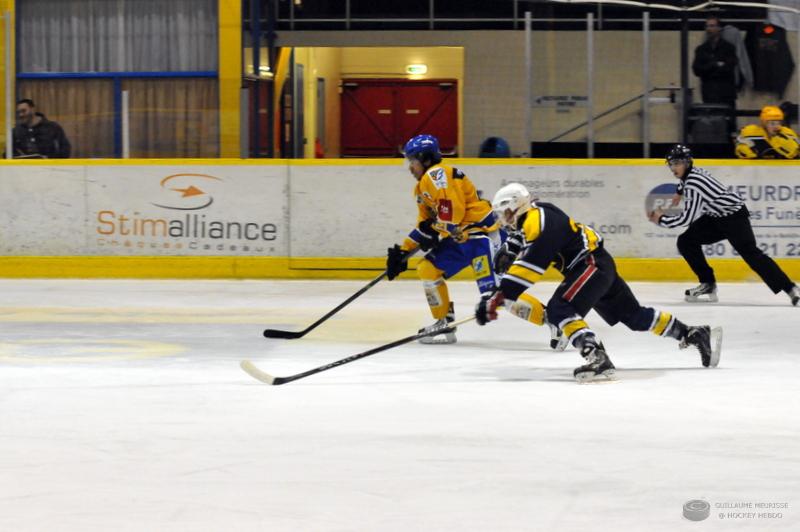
{"type": "Point", "coordinates": [380, 115]}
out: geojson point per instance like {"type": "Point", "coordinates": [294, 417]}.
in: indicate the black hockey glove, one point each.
{"type": "Point", "coordinates": [486, 309]}
{"type": "Point", "coordinates": [430, 236]}
{"type": "Point", "coordinates": [507, 253]}
{"type": "Point", "coordinates": [396, 261]}
{"type": "Point", "coordinates": [503, 260]}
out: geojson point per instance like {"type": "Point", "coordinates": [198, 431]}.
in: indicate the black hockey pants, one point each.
{"type": "Point", "coordinates": [595, 284]}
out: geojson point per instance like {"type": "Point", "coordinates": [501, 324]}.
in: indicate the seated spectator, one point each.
{"type": "Point", "coordinates": [37, 137]}
{"type": "Point", "coordinates": [770, 140]}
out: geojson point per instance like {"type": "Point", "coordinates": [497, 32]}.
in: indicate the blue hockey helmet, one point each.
{"type": "Point", "coordinates": [424, 148]}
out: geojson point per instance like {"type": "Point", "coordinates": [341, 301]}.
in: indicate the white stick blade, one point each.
{"type": "Point", "coordinates": [256, 373]}
{"type": "Point", "coordinates": [716, 346]}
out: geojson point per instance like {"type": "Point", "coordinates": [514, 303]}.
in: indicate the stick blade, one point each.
{"type": "Point", "coordinates": [285, 335]}
{"type": "Point", "coordinates": [256, 373]}
{"type": "Point", "coordinates": [716, 346]}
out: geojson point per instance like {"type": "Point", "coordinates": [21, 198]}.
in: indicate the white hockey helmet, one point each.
{"type": "Point", "coordinates": [510, 203]}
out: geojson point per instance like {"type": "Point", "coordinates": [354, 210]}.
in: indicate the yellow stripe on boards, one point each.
{"type": "Point", "coordinates": [631, 269]}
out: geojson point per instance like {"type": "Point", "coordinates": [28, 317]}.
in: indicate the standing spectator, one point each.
{"type": "Point", "coordinates": [36, 136]}
{"type": "Point", "coordinates": [715, 64]}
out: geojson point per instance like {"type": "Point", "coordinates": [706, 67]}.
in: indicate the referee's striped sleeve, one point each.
{"type": "Point", "coordinates": [692, 209]}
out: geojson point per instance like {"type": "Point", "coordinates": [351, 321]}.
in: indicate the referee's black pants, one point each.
{"type": "Point", "coordinates": [736, 229]}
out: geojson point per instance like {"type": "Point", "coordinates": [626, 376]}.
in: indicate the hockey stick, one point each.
{"type": "Point", "coordinates": [266, 378]}
{"type": "Point", "coordinates": [291, 335]}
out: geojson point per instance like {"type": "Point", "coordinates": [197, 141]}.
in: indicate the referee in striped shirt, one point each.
{"type": "Point", "coordinates": [714, 213]}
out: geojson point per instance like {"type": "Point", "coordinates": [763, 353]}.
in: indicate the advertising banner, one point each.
{"type": "Point", "coordinates": [350, 211]}
{"type": "Point", "coordinates": [145, 210]}
{"type": "Point", "coordinates": [42, 210]}
{"type": "Point", "coordinates": [345, 210]}
{"type": "Point", "coordinates": [163, 210]}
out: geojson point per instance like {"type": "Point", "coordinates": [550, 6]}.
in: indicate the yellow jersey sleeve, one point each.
{"type": "Point", "coordinates": [751, 142]}
{"type": "Point", "coordinates": [785, 143]}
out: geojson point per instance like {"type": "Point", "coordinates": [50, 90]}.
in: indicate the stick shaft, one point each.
{"type": "Point", "coordinates": [290, 335]}
{"type": "Point", "coordinates": [369, 352]}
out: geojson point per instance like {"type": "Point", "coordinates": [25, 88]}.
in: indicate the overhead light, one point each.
{"type": "Point", "coordinates": [416, 69]}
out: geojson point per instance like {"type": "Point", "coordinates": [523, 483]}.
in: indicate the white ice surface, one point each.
{"type": "Point", "coordinates": [123, 408]}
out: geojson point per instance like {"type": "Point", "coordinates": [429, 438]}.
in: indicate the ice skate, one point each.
{"type": "Point", "coordinates": [794, 295]}
{"type": "Point", "coordinates": [702, 293]}
{"type": "Point", "coordinates": [597, 366]}
{"type": "Point", "coordinates": [443, 338]}
{"type": "Point", "coordinates": [708, 341]}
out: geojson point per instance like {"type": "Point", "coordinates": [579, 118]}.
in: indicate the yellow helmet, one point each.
{"type": "Point", "coordinates": [771, 112]}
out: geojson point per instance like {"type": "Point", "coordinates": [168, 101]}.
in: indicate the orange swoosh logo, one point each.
{"type": "Point", "coordinates": [190, 191]}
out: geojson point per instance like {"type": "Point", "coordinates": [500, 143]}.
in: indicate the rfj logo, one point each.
{"type": "Point", "coordinates": [186, 192]}
{"type": "Point", "coordinates": [661, 198]}
{"type": "Point", "coordinates": [439, 178]}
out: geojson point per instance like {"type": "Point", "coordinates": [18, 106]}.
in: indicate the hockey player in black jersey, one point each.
{"type": "Point", "coordinates": [548, 237]}
{"type": "Point", "coordinates": [713, 213]}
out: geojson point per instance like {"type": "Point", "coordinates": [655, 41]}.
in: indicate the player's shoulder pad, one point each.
{"type": "Point", "coordinates": [550, 207]}
{"type": "Point", "coordinates": [753, 130]}
{"type": "Point", "coordinates": [532, 226]}
{"type": "Point", "coordinates": [438, 176]}
{"type": "Point", "coordinates": [788, 131]}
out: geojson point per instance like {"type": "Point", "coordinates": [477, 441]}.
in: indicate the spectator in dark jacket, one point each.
{"type": "Point", "coordinates": [36, 136]}
{"type": "Point", "coordinates": [715, 64]}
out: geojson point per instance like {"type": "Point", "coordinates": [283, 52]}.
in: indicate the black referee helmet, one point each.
{"type": "Point", "coordinates": [679, 152]}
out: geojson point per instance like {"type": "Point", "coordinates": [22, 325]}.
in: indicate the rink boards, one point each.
{"type": "Point", "coordinates": [225, 218]}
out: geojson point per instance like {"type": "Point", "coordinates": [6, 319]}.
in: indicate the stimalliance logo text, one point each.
{"type": "Point", "coordinates": [189, 226]}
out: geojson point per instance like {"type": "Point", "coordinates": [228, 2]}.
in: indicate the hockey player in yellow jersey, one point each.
{"type": "Point", "coordinates": [770, 140]}
{"type": "Point", "coordinates": [544, 236]}
{"type": "Point", "coordinates": [455, 229]}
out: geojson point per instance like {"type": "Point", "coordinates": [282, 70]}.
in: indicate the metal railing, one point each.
{"type": "Point", "coordinates": [646, 22]}
{"type": "Point", "coordinates": [671, 99]}
{"type": "Point", "coordinates": [344, 15]}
